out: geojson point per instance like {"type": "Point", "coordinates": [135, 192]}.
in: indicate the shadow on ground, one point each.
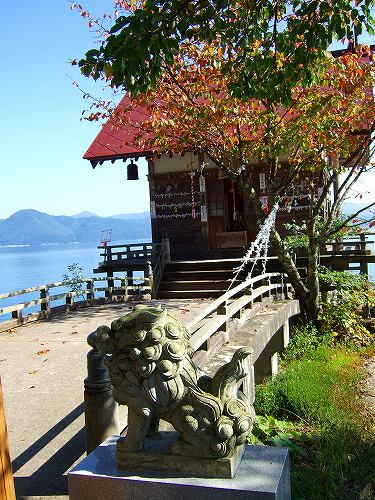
{"type": "Point", "coordinates": [49, 479]}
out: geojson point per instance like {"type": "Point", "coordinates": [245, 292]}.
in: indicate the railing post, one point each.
{"type": "Point", "coordinates": [167, 246]}
{"type": "Point", "coordinates": [286, 333]}
{"type": "Point", "coordinates": [17, 314]}
{"type": "Point", "coordinates": [45, 306]}
{"type": "Point", "coordinates": [124, 285]}
{"type": "Point", "coordinates": [363, 265]}
{"type": "Point", "coordinates": [222, 310]}
{"type": "Point", "coordinates": [110, 286]}
{"type": "Point", "coordinates": [90, 291]}
{"type": "Point", "coordinates": [149, 274]}
{"type": "Point", "coordinates": [101, 410]}
{"type": "Point", "coordinates": [69, 301]}
{"type": "Point", "coordinates": [249, 291]}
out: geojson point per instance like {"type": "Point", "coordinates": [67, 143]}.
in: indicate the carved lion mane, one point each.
{"type": "Point", "coordinates": [151, 369]}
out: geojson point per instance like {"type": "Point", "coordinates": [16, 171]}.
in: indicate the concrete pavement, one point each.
{"type": "Point", "coordinates": [42, 367]}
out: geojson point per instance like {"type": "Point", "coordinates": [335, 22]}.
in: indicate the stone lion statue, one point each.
{"type": "Point", "coordinates": [150, 364]}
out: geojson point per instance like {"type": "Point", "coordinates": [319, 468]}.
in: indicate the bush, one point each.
{"type": "Point", "coordinates": [304, 340]}
{"type": "Point", "coordinates": [347, 302]}
{"type": "Point", "coordinates": [319, 391]}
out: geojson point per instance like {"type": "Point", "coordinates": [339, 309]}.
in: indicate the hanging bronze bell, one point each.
{"type": "Point", "coordinates": [132, 171]}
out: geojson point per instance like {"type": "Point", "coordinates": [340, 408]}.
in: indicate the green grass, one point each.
{"type": "Point", "coordinates": [319, 391]}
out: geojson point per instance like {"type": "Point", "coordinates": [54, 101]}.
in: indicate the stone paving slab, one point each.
{"type": "Point", "coordinates": [42, 367]}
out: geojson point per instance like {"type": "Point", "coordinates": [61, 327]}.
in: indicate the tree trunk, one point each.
{"type": "Point", "coordinates": [289, 267]}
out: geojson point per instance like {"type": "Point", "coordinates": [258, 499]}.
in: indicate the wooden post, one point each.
{"type": "Point", "coordinates": [363, 265]}
{"type": "Point", "coordinates": [17, 314]}
{"type": "Point", "coordinates": [6, 477]}
{"type": "Point", "coordinates": [222, 310]}
{"type": "Point", "coordinates": [249, 291]}
{"type": "Point", "coordinates": [45, 306]}
{"type": "Point", "coordinates": [90, 291]}
{"type": "Point", "coordinates": [165, 241]}
{"type": "Point", "coordinates": [110, 285]}
{"type": "Point", "coordinates": [69, 301]}
{"type": "Point", "coordinates": [149, 274]}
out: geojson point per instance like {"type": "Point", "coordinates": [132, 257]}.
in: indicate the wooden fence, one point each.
{"type": "Point", "coordinates": [84, 294]}
{"type": "Point", "coordinates": [134, 251]}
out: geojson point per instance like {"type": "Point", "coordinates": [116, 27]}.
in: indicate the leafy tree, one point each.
{"type": "Point", "coordinates": [148, 34]}
{"type": "Point", "coordinates": [73, 278]}
{"type": "Point", "coordinates": [317, 133]}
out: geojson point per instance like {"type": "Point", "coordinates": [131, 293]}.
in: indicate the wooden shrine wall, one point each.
{"type": "Point", "coordinates": [176, 208]}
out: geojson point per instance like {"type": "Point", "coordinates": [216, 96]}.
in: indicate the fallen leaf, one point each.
{"type": "Point", "coordinates": [4, 359]}
{"type": "Point", "coordinates": [41, 353]}
{"type": "Point", "coordinates": [33, 372]}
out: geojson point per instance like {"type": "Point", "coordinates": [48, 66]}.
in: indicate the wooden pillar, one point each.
{"type": "Point", "coordinates": [6, 477]}
{"type": "Point", "coordinates": [363, 265]}
{"type": "Point", "coordinates": [110, 285]}
{"type": "Point", "coordinates": [17, 314]}
{"type": "Point", "coordinates": [222, 310]}
{"type": "Point", "coordinates": [45, 306]}
{"type": "Point", "coordinates": [90, 291]}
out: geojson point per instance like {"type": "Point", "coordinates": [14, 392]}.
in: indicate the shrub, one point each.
{"type": "Point", "coordinates": [319, 393]}
{"type": "Point", "coordinates": [346, 307]}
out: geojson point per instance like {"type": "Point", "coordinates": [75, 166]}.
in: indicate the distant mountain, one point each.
{"type": "Point", "coordinates": [83, 214]}
{"type": "Point", "coordinates": [30, 227]}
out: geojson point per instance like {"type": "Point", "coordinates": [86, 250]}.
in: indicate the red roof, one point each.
{"type": "Point", "coordinates": [113, 142]}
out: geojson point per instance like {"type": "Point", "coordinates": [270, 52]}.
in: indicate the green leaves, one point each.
{"type": "Point", "coordinates": [270, 431]}
{"type": "Point", "coordinates": [148, 37]}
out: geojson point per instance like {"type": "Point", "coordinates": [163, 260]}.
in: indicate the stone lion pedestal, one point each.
{"type": "Point", "coordinates": [262, 474]}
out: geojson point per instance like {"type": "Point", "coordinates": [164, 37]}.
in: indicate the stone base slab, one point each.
{"type": "Point", "coordinates": [262, 475]}
{"type": "Point", "coordinates": [157, 456]}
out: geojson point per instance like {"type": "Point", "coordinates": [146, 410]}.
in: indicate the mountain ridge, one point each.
{"type": "Point", "coordinates": [31, 227]}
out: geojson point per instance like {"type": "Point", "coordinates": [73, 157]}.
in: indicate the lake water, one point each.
{"type": "Point", "coordinates": [25, 267]}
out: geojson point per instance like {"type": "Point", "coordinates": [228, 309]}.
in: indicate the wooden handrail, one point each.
{"type": "Point", "coordinates": [163, 258]}
{"type": "Point", "coordinates": [230, 293]}
{"type": "Point", "coordinates": [126, 285]}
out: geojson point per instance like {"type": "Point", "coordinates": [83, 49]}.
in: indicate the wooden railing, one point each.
{"type": "Point", "coordinates": [134, 251]}
{"type": "Point", "coordinates": [218, 314]}
{"type": "Point", "coordinates": [164, 256]}
{"type": "Point", "coordinates": [86, 295]}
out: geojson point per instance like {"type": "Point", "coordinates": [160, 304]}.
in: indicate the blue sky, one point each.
{"type": "Point", "coordinates": [42, 137]}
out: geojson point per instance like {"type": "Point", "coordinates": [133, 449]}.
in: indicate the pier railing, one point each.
{"type": "Point", "coordinates": [130, 252]}
{"type": "Point", "coordinates": [85, 293]}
